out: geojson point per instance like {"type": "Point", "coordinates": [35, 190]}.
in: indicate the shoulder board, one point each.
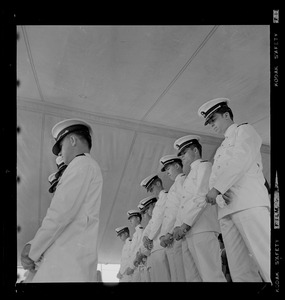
{"type": "Point", "coordinates": [204, 161]}
{"type": "Point", "coordinates": [183, 175]}
{"type": "Point", "coordinates": [82, 154]}
{"type": "Point", "coordinates": [140, 227]}
{"type": "Point", "coordinates": [242, 124]}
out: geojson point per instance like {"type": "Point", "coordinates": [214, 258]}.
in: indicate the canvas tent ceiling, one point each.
{"type": "Point", "coordinates": [140, 88]}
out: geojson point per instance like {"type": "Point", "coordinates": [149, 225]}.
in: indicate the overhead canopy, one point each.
{"type": "Point", "coordinates": [139, 87]}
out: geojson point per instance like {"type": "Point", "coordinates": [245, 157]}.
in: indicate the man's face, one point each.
{"type": "Point", "coordinates": [154, 189]}
{"type": "Point", "coordinates": [134, 221]}
{"type": "Point", "coordinates": [144, 214]}
{"type": "Point", "coordinates": [187, 156]}
{"type": "Point", "coordinates": [150, 209]}
{"type": "Point", "coordinates": [218, 123]}
{"type": "Point", "coordinates": [123, 236]}
{"type": "Point", "coordinates": [66, 150]}
{"type": "Point", "coordinates": [171, 171]}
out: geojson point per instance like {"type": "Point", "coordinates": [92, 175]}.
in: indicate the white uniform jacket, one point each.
{"type": "Point", "coordinates": [157, 218]}
{"type": "Point", "coordinates": [135, 244]}
{"type": "Point", "coordinates": [68, 236]}
{"type": "Point", "coordinates": [194, 210]}
{"type": "Point", "coordinates": [172, 205]}
{"type": "Point", "coordinates": [238, 167]}
{"type": "Point", "coordinates": [125, 256]}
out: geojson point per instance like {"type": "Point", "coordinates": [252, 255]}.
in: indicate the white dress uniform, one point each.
{"type": "Point", "coordinates": [67, 238]}
{"type": "Point", "coordinates": [245, 221]}
{"type": "Point", "coordinates": [174, 251]}
{"type": "Point", "coordinates": [202, 242]}
{"type": "Point", "coordinates": [144, 267]}
{"type": "Point", "coordinates": [125, 254]}
{"type": "Point", "coordinates": [157, 261]}
{"type": "Point", "coordinates": [134, 247]}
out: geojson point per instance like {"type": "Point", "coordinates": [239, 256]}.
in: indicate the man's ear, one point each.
{"type": "Point", "coordinates": [226, 115]}
{"type": "Point", "coordinates": [73, 140]}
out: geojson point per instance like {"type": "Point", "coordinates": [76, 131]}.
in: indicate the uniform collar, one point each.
{"type": "Point", "coordinates": [138, 227]}
{"type": "Point", "coordinates": [161, 193]}
{"type": "Point", "coordinates": [230, 130]}
{"type": "Point", "coordinates": [195, 163]}
{"type": "Point", "coordinates": [179, 176]}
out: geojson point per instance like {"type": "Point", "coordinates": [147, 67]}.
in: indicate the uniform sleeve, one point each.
{"type": "Point", "coordinates": [63, 209]}
{"type": "Point", "coordinates": [244, 151]}
{"type": "Point", "coordinates": [196, 203]}
{"type": "Point", "coordinates": [157, 217]}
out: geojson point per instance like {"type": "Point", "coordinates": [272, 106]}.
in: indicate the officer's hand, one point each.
{"type": "Point", "coordinates": [150, 245]}
{"type": "Point", "coordinates": [27, 262]}
{"type": "Point", "coordinates": [129, 271]}
{"type": "Point", "coordinates": [178, 234]}
{"type": "Point", "coordinates": [211, 196]}
{"type": "Point", "coordinates": [175, 232]}
{"type": "Point", "coordinates": [227, 196]}
{"type": "Point", "coordinates": [168, 239]}
{"type": "Point", "coordinates": [146, 241]}
{"type": "Point", "coordinates": [162, 241]}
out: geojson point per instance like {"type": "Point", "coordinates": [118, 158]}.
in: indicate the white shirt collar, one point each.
{"type": "Point", "coordinates": [178, 176]}
{"type": "Point", "coordinates": [230, 130]}
{"type": "Point", "coordinates": [137, 227]}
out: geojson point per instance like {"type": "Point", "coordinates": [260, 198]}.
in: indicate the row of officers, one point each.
{"type": "Point", "coordinates": [213, 224]}
{"type": "Point", "coordinates": [226, 200]}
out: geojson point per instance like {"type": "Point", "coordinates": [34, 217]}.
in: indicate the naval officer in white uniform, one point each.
{"type": "Point", "coordinates": [146, 207]}
{"type": "Point", "coordinates": [200, 225]}
{"type": "Point", "coordinates": [237, 184]}
{"type": "Point", "coordinates": [172, 165]}
{"type": "Point", "coordinates": [158, 262]}
{"type": "Point", "coordinates": [124, 234]}
{"type": "Point", "coordinates": [135, 218]}
{"type": "Point", "coordinates": [66, 242]}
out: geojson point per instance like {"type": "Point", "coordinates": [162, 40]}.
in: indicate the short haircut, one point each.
{"type": "Point", "coordinates": [179, 162]}
{"type": "Point", "coordinates": [157, 180]}
{"type": "Point", "coordinates": [84, 136]}
{"type": "Point", "coordinates": [139, 216]}
{"type": "Point", "coordinates": [196, 145]}
{"type": "Point", "coordinates": [223, 110]}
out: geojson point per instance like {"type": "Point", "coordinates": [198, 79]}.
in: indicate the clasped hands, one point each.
{"type": "Point", "coordinates": [213, 193]}
{"type": "Point", "coordinates": [180, 231]}
{"type": "Point", "coordinates": [166, 240]}
{"type": "Point", "coordinates": [147, 243]}
{"type": "Point", "coordinates": [139, 258]}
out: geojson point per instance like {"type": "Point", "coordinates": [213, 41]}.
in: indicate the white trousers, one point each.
{"type": "Point", "coordinates": [159, 267]}
{"type": "Point", "coordinates": [204, 254]}
{"type": "Point", "coordinates": [169, 251]}
{"type": "Point", "coordinates": [178, 261]}
{"type": "Point", "coordinates": [136, 276]}
{"type": "Point", "coordinates": [245, 234]}
{"type": "Point", "coordinates": [145, 277]}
